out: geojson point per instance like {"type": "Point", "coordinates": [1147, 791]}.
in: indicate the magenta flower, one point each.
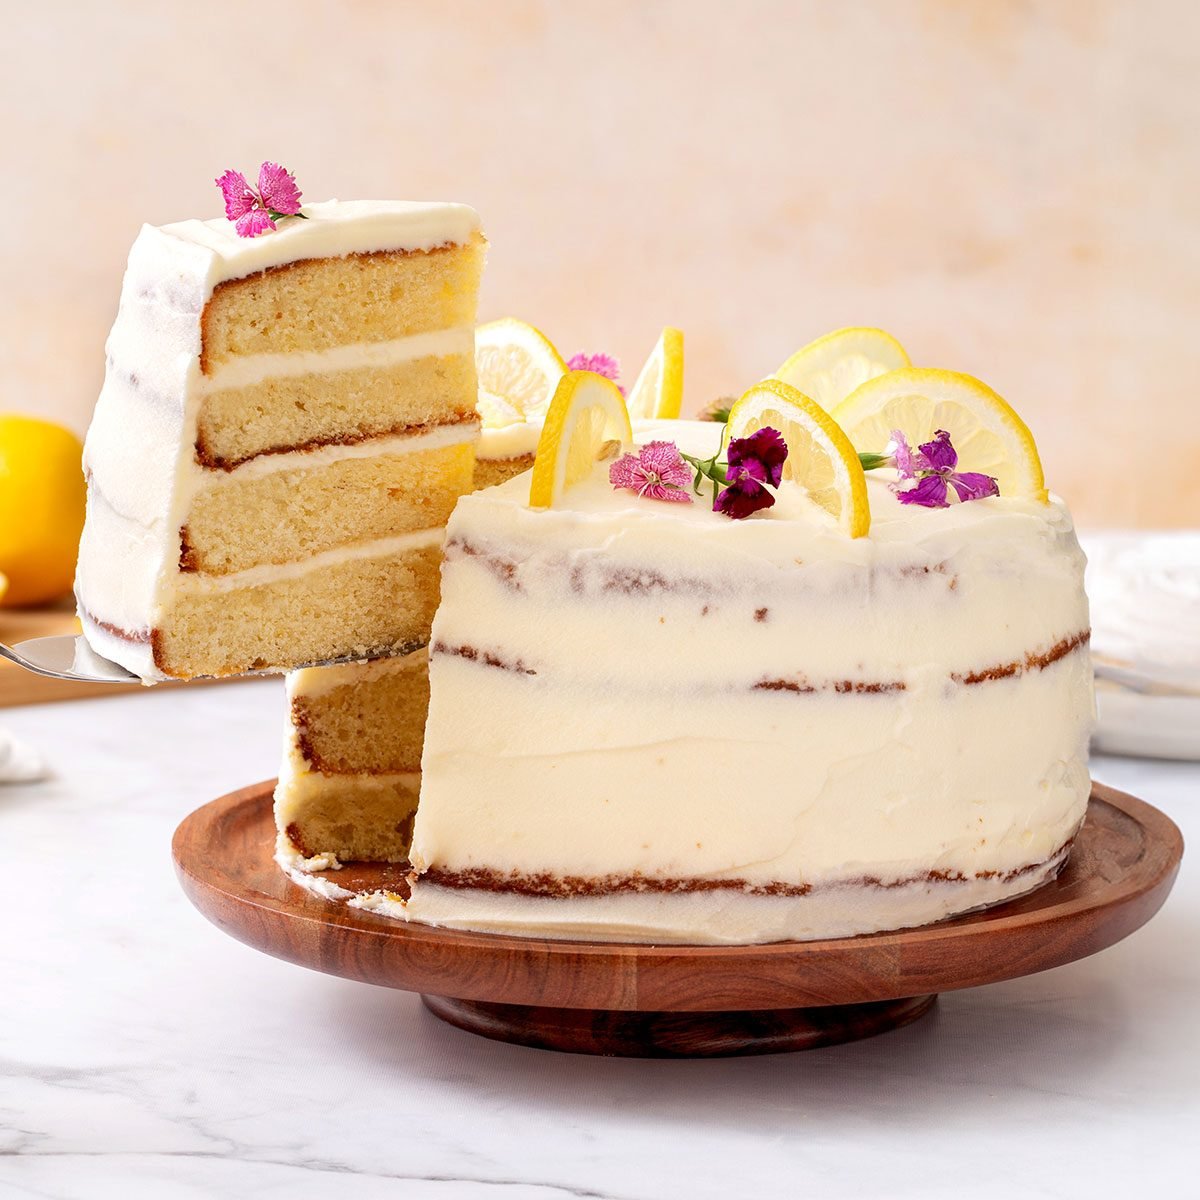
{"type": "Point", "coordinates": [657, 472]}
{"type": "Point", "coordinates": [255, 210]}
{"type": "Point", "coordinates": [743, 497]}
{"type": "Point", "coordinates": [933, 467]}
{"type": "Point", "coordinates": [752, 463]}
{"type": "Point", "coordinates": [599, 364]}
{"type": "Point", "coordinates": [761, 455]}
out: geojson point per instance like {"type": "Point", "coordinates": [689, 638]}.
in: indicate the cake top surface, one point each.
{"type": "Point", "coordinates": [330, 229]}
{"type": "Point", "coordinates": [593, 512]}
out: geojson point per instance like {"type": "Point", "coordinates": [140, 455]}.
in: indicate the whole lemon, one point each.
{"type": "Point", "coordinates": [42, 497]}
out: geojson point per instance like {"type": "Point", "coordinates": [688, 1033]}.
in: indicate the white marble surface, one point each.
{"type": "Point", "coordinates": [144, 1053]}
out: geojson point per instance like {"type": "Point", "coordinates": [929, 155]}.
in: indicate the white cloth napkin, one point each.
{"type": "Point", "coordinates": [18, 762]}
{"type": "Point", "coordinates": [1144, 591]}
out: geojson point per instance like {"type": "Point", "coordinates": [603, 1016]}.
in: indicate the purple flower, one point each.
{"type": "Point", "coordinates": [598, 364]}
{"type": "Point", "coordinates": [761, 455]}
{"type": "Point", "coordinates": [932, 466]}
{"type": "Point", "coordinates": [657, 472]}
{"type": "Point", "coordinates": [254, 211]}
{"type": "Point", "coordinates": [752, 463]}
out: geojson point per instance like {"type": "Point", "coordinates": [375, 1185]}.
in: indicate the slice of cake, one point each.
{"type": "Point", "coordinates": [351, 769]}
{"type": "Point", "coordinates": [285, 424]}
{"type": "Point", "coordinates": [863, 705]}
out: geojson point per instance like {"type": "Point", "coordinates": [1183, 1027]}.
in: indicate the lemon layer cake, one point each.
{"type": "Point", "coordinates": [285, 424]}
{"type": "Point", "coordinates": [352, 757]}
{"type": "Point", "coordinates": [650, 722]}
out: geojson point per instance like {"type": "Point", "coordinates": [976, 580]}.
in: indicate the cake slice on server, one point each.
{"type": "Point", "coordinates": [286, 422]}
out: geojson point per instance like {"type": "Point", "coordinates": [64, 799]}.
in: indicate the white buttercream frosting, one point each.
{"type": "Point", "coordinates": [714, 917]}
{"type": "Point", "coordinates": [330, 229]}
{"type": "Point", "coordinates": [304, 871]}
{"type": "Point", "coordinates": [517, 440]}
{"type": "Point", "coordinates": [626, 689]}
{"type": "Point", "coordinates": [250, 369]}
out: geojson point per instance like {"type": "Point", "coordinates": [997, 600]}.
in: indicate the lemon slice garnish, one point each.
{"type": "Point", "coordinates": [918, 401]}
{"type": "Point", "coordinates": [820, 457]}
{"type": "Point", "coordinates": [657, 393]}
{"type": "Point", "coordinates": [830, 368]}
{"type": "Point", "coordinates": [518, 369]}
{"type": "Point", "coordinates": [587, 412]}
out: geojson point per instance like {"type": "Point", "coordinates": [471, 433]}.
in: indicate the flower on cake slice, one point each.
{"type": "Point", "coordinates": [255, 210]}
{"type": "Point", "coordinates": [933, 465]}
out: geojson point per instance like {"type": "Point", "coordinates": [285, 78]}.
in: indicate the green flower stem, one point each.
{"type": "Point", "coordinates": [872, 462]}
{"type": "Point", "coordinates": [707, 468]}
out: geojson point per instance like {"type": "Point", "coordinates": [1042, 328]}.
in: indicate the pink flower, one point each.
{"type": "Point", "coordinates": [599, 364]}
{"type": "Point", "coordinates": [656, 472]}
{"type": "Point", "coordinates": [277, 187]}
{"type": "Point", "coordinates": [254, 211]}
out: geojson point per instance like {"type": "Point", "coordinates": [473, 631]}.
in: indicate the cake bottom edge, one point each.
{"type": "Point", "coordinates": [716, 917]}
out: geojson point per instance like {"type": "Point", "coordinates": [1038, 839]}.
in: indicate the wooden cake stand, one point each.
{"type": "Point", "coordinates": [675, 1001]}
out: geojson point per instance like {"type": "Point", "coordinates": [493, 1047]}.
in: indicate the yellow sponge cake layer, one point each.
{"type": "Point", "coordinates": [349, 782]}
{"type": "Point", "coordinates": [361, 718]}
{"type": "Point", "coordinates": [316, 304]}
{"type": "Point", "coordinates": [348, 817]}
{"type": "Point", "coordinates": [491, 471]}
{"type": "Point", "coordinates": [283, 412]}
{"type": "Point", "coordinates": [284, 515]}
{"type": "Point", "coordinates": [351, 608]}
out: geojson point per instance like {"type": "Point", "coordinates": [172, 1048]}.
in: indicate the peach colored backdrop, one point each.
{"type": "Point", "coordinates": [1010, 186]}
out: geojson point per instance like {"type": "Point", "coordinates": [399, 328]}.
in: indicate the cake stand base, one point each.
{"type": "Point", "coordinates": [678, 1034]}
{"type": "Point", "coordinates": [663, 1001]}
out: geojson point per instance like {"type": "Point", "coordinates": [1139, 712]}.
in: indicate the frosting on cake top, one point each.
{"type": "Point", "coordinates": [333, 229]}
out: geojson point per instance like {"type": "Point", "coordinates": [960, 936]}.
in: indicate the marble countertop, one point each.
{"type": "Point", "coordinates": [144, 1053]}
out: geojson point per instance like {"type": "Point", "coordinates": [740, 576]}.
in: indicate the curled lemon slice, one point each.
{"type": "Point", "coordinates": [830, 368]}
{"type": "Point", "coordinates": [518, 369]}
{"type": "Point", "coordinates": [586, 413]}
{"type": "Point", "coordinates": [820, 457]}
{"type": "Point", "coordinates": [657, 393]}
{"type": "Point", "coordinates": [918, 401]}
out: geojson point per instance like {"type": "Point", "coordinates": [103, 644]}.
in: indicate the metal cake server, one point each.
{"type": "Point", "coordinates": [65, 657]}
{"type": "Point", "coordinates": [70, 657]}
